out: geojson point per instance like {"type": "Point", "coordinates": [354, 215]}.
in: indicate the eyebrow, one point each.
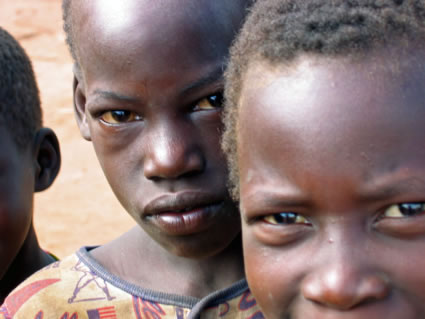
{"type": "Point", "coordinates": [395, 187]}
{"type": "Point", "coordinates": [276, 199]}
{"type": "Point", "coordinates": [110, 95]}
{"type": "Point", "coordinates": [210, 78]}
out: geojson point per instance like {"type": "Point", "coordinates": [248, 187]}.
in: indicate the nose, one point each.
{"type": "Point", "coordinates": [345, 285]}
{"type": "Point", "coordinates": [172, 155]}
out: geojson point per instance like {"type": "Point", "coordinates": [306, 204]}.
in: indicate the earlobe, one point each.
{"type": "Point", "coordinates": [47, 158]}
{"type": "Point", "coordinates": [80, 109]}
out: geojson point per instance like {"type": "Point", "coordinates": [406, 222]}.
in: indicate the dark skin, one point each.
{"type": "Point", "coordinates": [332, 185]}
{"type": "Point", "coordinates": [23, 172]}
{"type": "Point", "coordinates": [147, 95]}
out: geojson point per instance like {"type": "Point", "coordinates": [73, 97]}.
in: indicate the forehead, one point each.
{"type": "Point", "coordinates": [342, 114]}
{"type": "Point", "coordinates": [190, 30]}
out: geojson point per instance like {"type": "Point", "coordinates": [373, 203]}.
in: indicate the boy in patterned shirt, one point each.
{"type": "Point", "coordinates": [148, 94]}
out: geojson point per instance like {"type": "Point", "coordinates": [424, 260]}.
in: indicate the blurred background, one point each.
{"type": "Point", "coordinates": [79, 209]}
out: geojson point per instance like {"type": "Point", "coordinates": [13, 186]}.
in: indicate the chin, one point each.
{"type": "Point", "coordinates": [194, 248]}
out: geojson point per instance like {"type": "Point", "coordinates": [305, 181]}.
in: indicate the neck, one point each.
{"type": "Point", "coordinates": [28, 260]}
{"type": "Point", "coordinates": [145, 263]}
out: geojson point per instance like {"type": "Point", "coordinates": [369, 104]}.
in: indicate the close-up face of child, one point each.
{"type": "Point", "coordinates": [331, 159]}
{"type": "Point", "coordinates": [149, 98]}
{"type": "Point", "coordinates": [16, 197]}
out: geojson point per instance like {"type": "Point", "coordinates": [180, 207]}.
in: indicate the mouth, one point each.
{"type": "Point", "coordinates": [184, 213]}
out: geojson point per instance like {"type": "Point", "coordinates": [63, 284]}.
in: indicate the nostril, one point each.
{"type": "Point", "coordinates": [190, 174]}
{"type": "Point", "coordinates": [186, 175]}
{"type": "Point", "coordinates": [373, 288]}
{"type": "Point", "coordinates": [173, 165]}
{"type": "Point", "coordinates": [344, 288]}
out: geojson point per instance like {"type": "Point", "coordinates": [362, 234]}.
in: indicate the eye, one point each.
{"type": "Point", "coordinates": [119, 116]}
{"type": "Point", "coordinates": [404, 210]}
{"type": "Point", "coordinates": [286, 219]}
{"type": "Point", "coordinates": [210, 102]}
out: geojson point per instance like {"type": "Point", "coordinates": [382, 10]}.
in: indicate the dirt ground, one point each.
{"type": "Point", "coordinates": [79, 209]}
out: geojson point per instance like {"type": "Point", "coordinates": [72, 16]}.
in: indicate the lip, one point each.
{"type": "Point", "coordinates": [183, 213]}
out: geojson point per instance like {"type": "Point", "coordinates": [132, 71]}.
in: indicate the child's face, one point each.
{"type": "Point", "coordinates": [332, 180]}
{"type": "Point", "coordinates": [149, 100]}
{"type": "Point", "coordinates": [16, 198]}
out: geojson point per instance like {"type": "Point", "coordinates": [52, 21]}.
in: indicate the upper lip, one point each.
{"type": "Point", "coordinates": [179, 202]}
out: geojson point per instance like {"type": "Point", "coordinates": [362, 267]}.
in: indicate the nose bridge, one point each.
{"type": "Point", "coordinates": [171, 151]}
{"type": "Point", "coordinates": [344, 278]}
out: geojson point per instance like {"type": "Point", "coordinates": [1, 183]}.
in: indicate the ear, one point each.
{"type": "Point", "coordinates": [80, 108]}
{"type": "Point", "coordinates": [48, 158]}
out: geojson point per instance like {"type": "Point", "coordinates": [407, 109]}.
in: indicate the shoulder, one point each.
{"type": "Point", "coordinates": [74, 288]}
{"type": "Point", "coordinates": [235, 301]}
{"type": "Point", "coordinates": [46, 282]}
{"type": "Point", "coordinates": [244, 306]}
{"type": "Point", "coordinates": [62, 289]}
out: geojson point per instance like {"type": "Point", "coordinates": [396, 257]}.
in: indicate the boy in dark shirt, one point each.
{"type": "Point", "coordinates": [29, 162]}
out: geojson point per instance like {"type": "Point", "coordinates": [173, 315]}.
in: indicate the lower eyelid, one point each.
{"type": "Point", "coordinates": [401, 227]}
{"type": "Point", "coordinates": [276, 235]}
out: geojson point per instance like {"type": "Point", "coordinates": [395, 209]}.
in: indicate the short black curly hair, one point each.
{"type": "Point", "coordinates": [277, 31]}
{"type": "Point", "coordinates": [20, 107]}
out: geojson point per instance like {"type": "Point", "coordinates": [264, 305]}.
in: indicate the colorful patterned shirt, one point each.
{"type": "Point", "coordinates": [79, 287]}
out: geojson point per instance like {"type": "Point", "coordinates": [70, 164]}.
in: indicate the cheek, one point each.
{"type": "Point", "coordinates": [217, 160]}
{"type": "Point", "coordinates": [111, 143]}
{"type": "Point", "coordinates": [124, 175]}
{"type": "Point", "coordinates": [407, 270]}
{"type": "Point", "coordinates": [265, 274]}
{"type": "Point", "coordinates": [15, 221]}
{"type": "Point", "coordinates": [118, 153]}
{"type": "Point", "coordinates": [271, 276]}
{"type": "Point", "coordinates": [210, 131]}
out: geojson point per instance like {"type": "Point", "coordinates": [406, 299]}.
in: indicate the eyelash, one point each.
{"type": "Point", "coordinates": [110, 117]}
{"type": "Point", "coordinates": [404, 210]}
{"type": "Point", "coordinates": [285, 218]}
{"type": "Point", "coordinates": [410, 209]}
{"type": "Point", "coordinates": [211, 102]}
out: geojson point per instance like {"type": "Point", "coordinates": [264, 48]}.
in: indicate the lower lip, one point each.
{"type": "Point", "coordinates": [187, 223]}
